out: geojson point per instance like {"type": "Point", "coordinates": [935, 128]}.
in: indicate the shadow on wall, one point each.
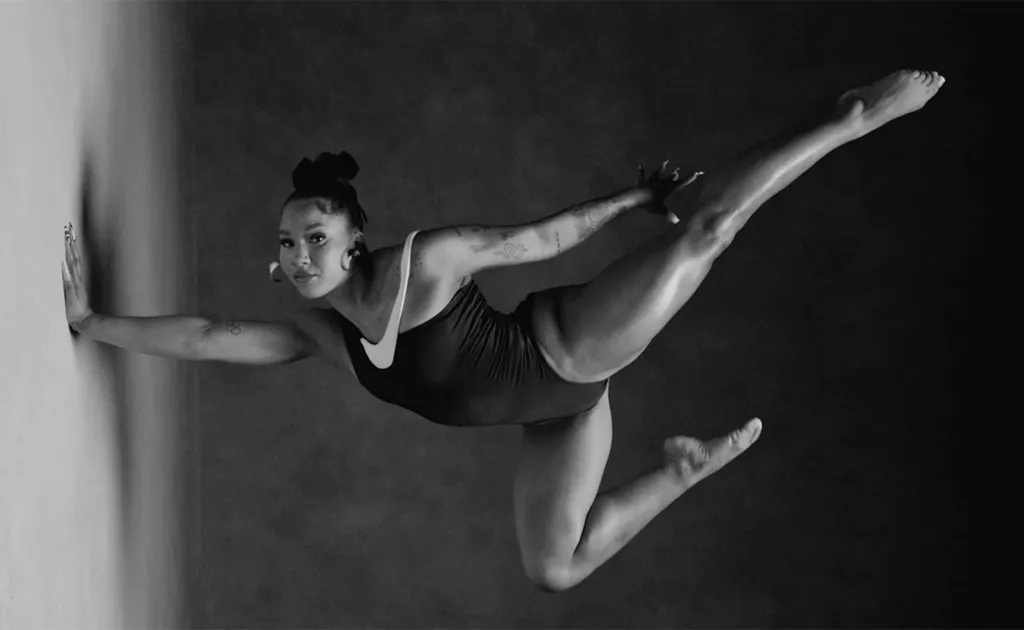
{"type": "Point", "coordinates": [90, 437]}
{"type": "Point", "coordinates": [102, 283]}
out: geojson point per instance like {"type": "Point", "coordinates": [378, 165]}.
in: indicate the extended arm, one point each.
{"type": "Point", "coordinates": [179, 336]}
{"type": "Point", "coordinates": [568, 228]}
{"type": "Point", "coordinates": [466, 250]}
{"type": "Point", "coordinates": [199, 339]}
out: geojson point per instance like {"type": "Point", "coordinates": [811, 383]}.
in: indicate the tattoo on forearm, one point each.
{"type": "Point", "coordinates": [581, 221]}
{"type": "Point", "coordinates": [590, 217]}
{"type": "Point", "coordinates": [511, 251]}
{"type": "Point", "coordinates": [234, 328]}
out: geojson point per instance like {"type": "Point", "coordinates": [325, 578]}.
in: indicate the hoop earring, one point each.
{"type": "Point", "coordinates": [273, 267]}
{"type": "Point", "coordinates": [352, 259]}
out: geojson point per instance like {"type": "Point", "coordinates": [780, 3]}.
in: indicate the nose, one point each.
{"type": "Point", "coordinates": [302, 259]}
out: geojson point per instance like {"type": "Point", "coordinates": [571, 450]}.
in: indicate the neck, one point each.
{"type": "Point", "coordinates": [357, 297]}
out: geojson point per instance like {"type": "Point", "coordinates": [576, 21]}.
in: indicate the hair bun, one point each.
{"type": "Point", "coordinates": [327, 169]}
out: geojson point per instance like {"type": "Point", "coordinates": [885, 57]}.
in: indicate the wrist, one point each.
{"type": "Point", "coordinates": [82, 323]}
{"type": "Point", "coordinates": [637, 197]}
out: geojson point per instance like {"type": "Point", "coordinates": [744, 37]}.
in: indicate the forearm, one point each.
{"type": "Point", "coordinates": [570, 227]}
{"type": "Point", "coordinates": [173, 336]}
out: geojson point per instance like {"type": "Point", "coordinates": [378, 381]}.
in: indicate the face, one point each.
{"type": "Point", "coordinates": [314, 248]}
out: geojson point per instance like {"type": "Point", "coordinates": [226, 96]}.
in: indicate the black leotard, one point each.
{"type": "Point", "coordinates": [471, 365]}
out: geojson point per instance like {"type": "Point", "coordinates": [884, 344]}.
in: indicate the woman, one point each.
{"type": "Point", "coordinates": [410, 324]}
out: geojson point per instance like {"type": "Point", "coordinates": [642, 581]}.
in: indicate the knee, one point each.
{"type": "Point", "coordinates": [704, 242]}
{"type": "Point", "coordinates": [550, 576]}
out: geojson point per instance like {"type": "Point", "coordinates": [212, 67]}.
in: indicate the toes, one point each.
{"type": "Point", "coordinates": [746, 435]}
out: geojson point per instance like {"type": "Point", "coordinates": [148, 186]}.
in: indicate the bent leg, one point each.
{"type": "Point", "coordinates": [565, 528]}
{"type": "Point", "coordinates": [557, 477]}
{"type": "Point", "coordinates": [605, 324]}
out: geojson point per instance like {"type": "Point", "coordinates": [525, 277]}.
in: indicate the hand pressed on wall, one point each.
{"type": "Point", "coordinates": [76, 298]}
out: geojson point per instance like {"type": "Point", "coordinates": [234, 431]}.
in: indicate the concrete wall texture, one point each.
{"type": "Point", "coordinates": [90, 472]}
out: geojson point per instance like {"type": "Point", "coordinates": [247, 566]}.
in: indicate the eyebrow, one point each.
{"type": "Point", "coordinates": [308, 228]}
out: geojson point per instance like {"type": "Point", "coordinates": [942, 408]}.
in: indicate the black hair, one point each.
{"type": "Point", "coordinates": [330, 178]}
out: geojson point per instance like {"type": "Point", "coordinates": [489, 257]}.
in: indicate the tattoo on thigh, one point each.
{"type": "Point", "coordinates": [234, 328]}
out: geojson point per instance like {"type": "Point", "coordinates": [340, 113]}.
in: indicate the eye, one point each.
{"type": "Point", "coordinates": [316, 238]}
{"type": "Point", "coordinates": [286, 242]}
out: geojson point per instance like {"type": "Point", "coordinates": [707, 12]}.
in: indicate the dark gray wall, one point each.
{"type": "Point", "coordinates": [839, 315]}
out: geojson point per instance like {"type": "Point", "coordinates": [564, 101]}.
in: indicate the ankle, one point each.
{"type": "Point", "coordinates": [847, 119]}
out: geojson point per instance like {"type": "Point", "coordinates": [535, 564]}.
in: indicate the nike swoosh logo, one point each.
{"type": "Point", "coordinates": [382, 354]}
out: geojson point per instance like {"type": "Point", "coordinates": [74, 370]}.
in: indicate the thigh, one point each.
{"type": "Point", "coordinates": [557, 477]}
{"type": "Point", "coordinates": [547, 325]}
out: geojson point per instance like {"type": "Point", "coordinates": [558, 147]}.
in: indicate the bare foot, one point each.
{"type": "Point", "coordinates": [902, 92]}
{"type": "Point", "coordinates": [693, 460]}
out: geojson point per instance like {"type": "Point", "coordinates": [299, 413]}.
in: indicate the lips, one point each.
{"type": "Point", "coordinates": [303, 277]}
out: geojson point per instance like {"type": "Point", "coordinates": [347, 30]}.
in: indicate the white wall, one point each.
{"type": "Point", "coordinates": [91, 444]}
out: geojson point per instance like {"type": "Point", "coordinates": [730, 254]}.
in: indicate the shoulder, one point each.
{"type": "Point", "coordinates": [431, 255]}
{"type": "Point", "coordinates": [430, 263]}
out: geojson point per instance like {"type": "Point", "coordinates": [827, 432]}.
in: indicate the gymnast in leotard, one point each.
{"type": "Point", "coordinates": [410, 324]}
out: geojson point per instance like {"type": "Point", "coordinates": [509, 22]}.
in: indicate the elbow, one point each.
{"type": "Point", "coordinates": [551, 241]}
{"type": "Point", "coordinates": [197, 343]}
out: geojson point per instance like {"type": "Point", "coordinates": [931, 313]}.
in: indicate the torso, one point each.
{"type": "Point", "coordinates": [429, 291]}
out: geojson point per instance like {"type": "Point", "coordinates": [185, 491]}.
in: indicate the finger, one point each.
{"type": "Point", "coordinates": [76, 254]}
{"type": "Point", "coordinates": [66, 283]}
{"type": "Point", "coordinates": [747, 434]}
{"type": "Point", "coordinates": [68, 254]}
{"type": "Point", "coordinates": [675, 174]}
{"type": "Point", "coordinates": [692, 179]}
{"type": "Point", "coordinates": [76, 257]}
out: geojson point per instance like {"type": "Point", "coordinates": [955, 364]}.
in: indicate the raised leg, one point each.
{"type": "Point", "coordinates": [606, 324]}
{"type": "Point", "coordinates": [565, 528]}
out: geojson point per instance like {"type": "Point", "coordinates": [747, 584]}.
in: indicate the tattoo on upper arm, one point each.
{"type": "Point", "coordinates": [511, 251]}
{"type": "Point", "coordinates": [234, 328]}
{"type": "Point", "coordinates": [558, 244]}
